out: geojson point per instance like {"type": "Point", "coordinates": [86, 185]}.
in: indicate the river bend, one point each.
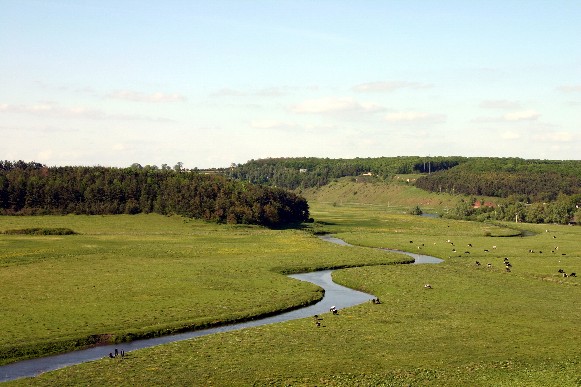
{"type": "Point", "coordinates": [335, 295]}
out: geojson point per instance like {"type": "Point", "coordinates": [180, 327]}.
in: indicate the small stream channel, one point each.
{"type": "Point", "coordinates": [335, 295]}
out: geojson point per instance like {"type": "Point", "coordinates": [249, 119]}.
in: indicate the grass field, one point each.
{"type": "Point", "coordinates": [477, 326]}
{"type": "Point", "coordinates": [124, 277]}
{"type": "Point", "coordinates": [396, 194]}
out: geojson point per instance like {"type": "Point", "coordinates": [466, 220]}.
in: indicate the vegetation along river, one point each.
{"type": "Point", "coordinates": [335, 295]}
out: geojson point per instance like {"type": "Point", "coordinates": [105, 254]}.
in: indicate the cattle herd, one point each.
{"type": "Point", "coordinates": [506, 262]}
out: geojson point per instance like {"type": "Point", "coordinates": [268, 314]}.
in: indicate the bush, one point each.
{"type": "Point", "coordinates": [41, 231]}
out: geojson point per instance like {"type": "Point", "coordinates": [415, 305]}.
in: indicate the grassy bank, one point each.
{"type": "Point", "coordinates": [123, 277]}
{"type": "Point", "coordinates": [476, 326]}
{"type": "Point", "coordinates": [398, 194]}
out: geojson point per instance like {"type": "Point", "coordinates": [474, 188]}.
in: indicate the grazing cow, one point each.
{"type": "Point", "coordinates": [411, 241]}
{"type": "Point", "coordinates": [508, 269]}
{"type": "Point", "coordinates": [494, 247]}
{"type": "Point", "coordinates": [507, 264]}
{"type": "Point", "coordinates": [486, 250]}
{"type": "Point", "coordinates": [564, 275]}
{"type": "Point", "coordinates": [561, 271]}
{"type": "Point", "coordinates": [427, 286]}
{"type": "Point", "coordinates": [477, 263]}
{"type": "Point", "coordinates": [505, 259]}
{"type": "Point", "coordinates": [469, 244]}
{"type": "Point", "coordinates": [489, 265]}
{"type": "Point", "coordinates": [334, 310]}
{"type": "Point", "coordinates": [467, 252]}
{"type": "Point", "coordinates": [573, 275]}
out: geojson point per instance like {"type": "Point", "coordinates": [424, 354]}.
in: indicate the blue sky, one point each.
{"type": "Point", "coordinates": [209, 83]}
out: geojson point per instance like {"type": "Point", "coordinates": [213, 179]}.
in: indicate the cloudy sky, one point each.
{"type": "Point", "coordinates": [209, 83]}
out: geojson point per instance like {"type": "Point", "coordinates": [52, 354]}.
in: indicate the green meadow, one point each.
{"type": "Point", "coordinates": [125, 276]}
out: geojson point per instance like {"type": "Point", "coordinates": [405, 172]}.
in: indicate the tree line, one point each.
{"type": "Point", "coordinates": [533, 191]}
{"type": "Point", "coordinates": [537, 180]}
{"type": "Point", "coordinates": [564, 210]}
{"type": "Point", "coordinates": [32, 188]}
{"type": "Point", "coordinates": [307, 172]}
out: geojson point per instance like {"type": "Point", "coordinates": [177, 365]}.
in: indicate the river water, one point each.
{"type": "Point", "coordinates": [335, 295]}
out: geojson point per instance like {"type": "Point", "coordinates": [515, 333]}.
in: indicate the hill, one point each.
{"type": "Point", "coordinates": [398, 192]}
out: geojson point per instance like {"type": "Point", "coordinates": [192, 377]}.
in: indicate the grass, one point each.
{"type": "Point", "coordinates": [477, 326]}
{"type": "Point", "coordinates": [396, 194]}
{"type": "Point", "coordinates": [124, 277]}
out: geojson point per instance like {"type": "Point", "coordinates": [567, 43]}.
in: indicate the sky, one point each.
{"type": "Point", "coordinates": [210, 83]}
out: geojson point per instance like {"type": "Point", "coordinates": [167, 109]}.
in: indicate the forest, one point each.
{"type": "Point", "coordinates": [535, 191]}
{"type": "Point", "coordinates": [259, 191]}
{"type": "Point", "coordinates": [537, 180]}
{"type": "Point", "coordinates": [307, 172]}
{"type": "Point", "coordinates": [35, 189]}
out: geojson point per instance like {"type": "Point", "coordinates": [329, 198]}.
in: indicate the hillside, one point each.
{"type": "Point", "coordinates": [397, 192]}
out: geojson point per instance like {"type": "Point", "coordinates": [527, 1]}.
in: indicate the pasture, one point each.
{"type": "Point", "coordinates": [477, 325]}
{"type": "Point", "coordinates": [124, 277]}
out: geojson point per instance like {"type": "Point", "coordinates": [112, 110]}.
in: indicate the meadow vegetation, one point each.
{"type": "Point", "coordinates": [477, 325]}
{"type": "Point", "coordinates": [129, 276]}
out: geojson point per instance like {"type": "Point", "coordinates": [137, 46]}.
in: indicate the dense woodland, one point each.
{"type": "Point", "coordinates": [304, 172]}
{"type": "Point", "coordinates": [32, 188]}
{"type": "Point", "coordinates": [538, 180]}
{"type": "Point", "coordinates": [537, 191]}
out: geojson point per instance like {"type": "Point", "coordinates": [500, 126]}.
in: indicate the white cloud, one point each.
{"type": "Point", "coordinates": [143, 97]}
{"type": "Point", "coordinates": [271, 92]}
{"type": "Point", "coordinates": [554, 136]}
{"type": "Point", "coordinates": [523, 115]}
{"type": "Point", "coordinates": [510, 135]}
{"type": "Point", "coordinates": [389, 86]}
{"type": "Point", "coordinates": [227, 92]}
{"type": "Point", "coordinates": [276, 91]}
{"type": "Point", "coordinates": [335, 105]}
{"type": "Point", "coordinates": [272, 124]}
{"type": "Point", "coordinates": [52, 110]}
{"type": "Point", "coordinates": [570, 88]}
{"type": "Point", "coordinates": [499, 104]}
{"type": "Point", "coordinates": [411, 116]}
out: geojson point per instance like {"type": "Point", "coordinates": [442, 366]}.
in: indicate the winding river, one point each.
{"type": "Point", "coordinates": [335, 295]}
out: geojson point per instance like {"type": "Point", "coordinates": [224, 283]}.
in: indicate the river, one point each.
{"type": "Point", "coordinates": [335, 295]}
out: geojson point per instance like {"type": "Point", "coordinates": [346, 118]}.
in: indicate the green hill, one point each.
{"type": "Point", "coordinates": [397, 192]}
